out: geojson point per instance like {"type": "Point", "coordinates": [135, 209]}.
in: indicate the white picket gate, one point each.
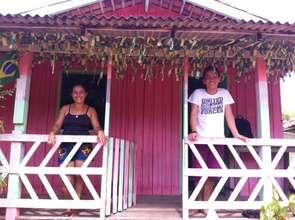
{"type": "Point", "coordinates": [267, 173]}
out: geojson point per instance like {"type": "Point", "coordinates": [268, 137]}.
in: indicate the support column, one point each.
{"type": "Point", "coordinates": [184, 151]}
{"type": "Point", "coordinates": [108, 99]}
{"type": "Point", "coordinates": [20, 117]}
{"type": "Point", "coordinates": [106, 188]}
{"type": "Point", "coordinates": [185, 97]}
{"type": "Point", "coordinates": [263, 120]}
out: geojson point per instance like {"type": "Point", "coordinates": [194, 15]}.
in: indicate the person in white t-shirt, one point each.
{"type": "Point", "coordinates": [208, 108]}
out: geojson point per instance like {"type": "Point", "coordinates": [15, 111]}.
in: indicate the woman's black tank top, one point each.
{"type": "Point", "coordinates": [76, 124]}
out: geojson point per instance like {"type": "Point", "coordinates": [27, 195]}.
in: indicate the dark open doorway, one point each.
{"type": "Point", "coordinates": [96, 91]}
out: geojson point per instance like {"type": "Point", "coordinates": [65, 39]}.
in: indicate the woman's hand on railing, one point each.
{"type": "Point", "coordinates": [241, 137]}
{"type": "Point", "coordinates": [51, 138]}
{"type": "Point", "coordinates": [101, 137]}
{"type": "Point", "coordinates": [193, 136]}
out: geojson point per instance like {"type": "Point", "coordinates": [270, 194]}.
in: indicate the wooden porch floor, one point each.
{"type": "Point", "coordinates": [147, 208]}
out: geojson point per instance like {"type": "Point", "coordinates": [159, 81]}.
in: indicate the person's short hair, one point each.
{"type": "Point", "coordinates": [210, 69]}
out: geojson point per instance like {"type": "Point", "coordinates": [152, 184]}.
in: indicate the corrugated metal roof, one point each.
{"type": "Point", "coordinates": [179, 24]}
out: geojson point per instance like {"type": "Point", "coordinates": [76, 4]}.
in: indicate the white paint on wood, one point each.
{"type": "Point", "coordinates": [146, 6]}
{"type": "Point", "coordinates": [182, 7]}
{"type": "Point", "coordinates": [265, 173]}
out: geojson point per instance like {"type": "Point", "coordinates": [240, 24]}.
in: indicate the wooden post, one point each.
{"type": "Point", "coordinates": [108, 100]}
{"type": "Point", "coordinates": [121, 175]}
{"type": "Point", "coordinates": [185, 97]}
{"type": "Point", "coordinates": [130, 176]}
{"type": "Point", "coordinates": [116, 175]}
{"type": "Point", "coordinates": [126, 174]}
{"type": "Point", "coordinates": [263, 121]}
{"type": "Point", "coordinates": [109, 176]}
{"type": "Point", "coordinates": [184, 151]}
{"type": "Point", "coordinates": [20, 116]}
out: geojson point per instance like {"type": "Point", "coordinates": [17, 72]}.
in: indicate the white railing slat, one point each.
{"type": "Point", "coordinates": [48, 187]}
{"type": "Point", "coordinates": [237, 157]}
{"type": "Point", "coordinates": [279, 189]}
{"type": "Point", "coordinates": [217, 189]}
{"type": "Point", "coordinates": [93, 153]}
{"type": "Point", "coordinates": [90, 187]}
{"type": "Point", "coordinates": [69, 187]}
{"type": "Point", "coordinates": [30, 153]}
{"type": "Point", "coordinates": [237, 189]}
{"type": "Point", "coordinates": [217, 156]}
{"type": "Point", "coordinates": [255, 155]}
{"type": "Point", "coordinates": [50, 154]}
{"type": "Point", "coordinates": [198, 188]}
{"type": "Point", "coordinates": [198, 156]}
{"type": "Point", "coordinates": [71, 154]}
{"type": "Point", "coordinates": [278, 156]}
{"type": "Point", "coordinates": [28, 186]}
{"type": "Point", "coordinates": [3, 159]}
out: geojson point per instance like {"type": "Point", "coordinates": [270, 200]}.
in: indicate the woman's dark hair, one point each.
{"type": "Point", "coordinates": [210, 69]}
{"type": "Point", "coordinates": [81, 85]}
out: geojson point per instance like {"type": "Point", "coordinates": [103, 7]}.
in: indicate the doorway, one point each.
{"type": "Point", "coordinates": [96, 91]}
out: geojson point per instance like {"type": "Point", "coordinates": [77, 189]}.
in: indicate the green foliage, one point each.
{"type": "Point", "coordinates": [274, 211]}
{"type": "Point", "coordinates": [288, 115]}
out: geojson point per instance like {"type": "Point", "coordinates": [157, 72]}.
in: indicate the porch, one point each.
{"type": "Point", "coordinates": [113, 194]}
{"type": "Point", "coordinates": [147, 207]}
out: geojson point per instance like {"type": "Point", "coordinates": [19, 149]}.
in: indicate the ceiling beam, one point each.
{"type": "Point", "coordinates": [101, 7]}
{"type": "Point", "coordinates": [182, 7]}
{"type": "Point", "coordinates": [146, 5]}
{"type": "Point", "coordinates": [113, 5]}
{"type": "Point", "coordinates": [191, 10]}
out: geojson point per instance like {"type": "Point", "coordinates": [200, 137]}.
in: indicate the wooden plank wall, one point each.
{"type": "Point", "coordinates": [244, 94]}
{"type": "Point", "coordinates": [148, 113]}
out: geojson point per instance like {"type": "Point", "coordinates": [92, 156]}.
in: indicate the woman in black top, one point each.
{"type": "Point", "coordinates": [76, 119]}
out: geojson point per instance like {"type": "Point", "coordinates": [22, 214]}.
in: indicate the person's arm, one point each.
{"type": "Point", "coordinates": [57, 125]}
{"type": "Point", "coordinates": [96, 126]}
{"type": "Point", "coordinates": [232, 124]}
{"type": "Point", "coordinates": [193, 135]}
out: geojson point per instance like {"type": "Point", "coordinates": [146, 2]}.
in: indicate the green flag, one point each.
{"type": "Point", "coordinates": [9, 67]}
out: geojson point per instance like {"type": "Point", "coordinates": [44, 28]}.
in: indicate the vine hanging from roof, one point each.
{"type": "Point", "coordinates": [239, 53]}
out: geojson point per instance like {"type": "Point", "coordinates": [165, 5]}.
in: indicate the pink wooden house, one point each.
{"type": "Point", "coordinates": [138, 58]}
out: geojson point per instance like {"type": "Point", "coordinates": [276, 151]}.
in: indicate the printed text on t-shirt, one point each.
{"type": "Point", "coordinates": [212, 105]}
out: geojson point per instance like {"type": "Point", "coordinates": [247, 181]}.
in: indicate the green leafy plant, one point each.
{"type": "Point", "coordinates": [274, 211]}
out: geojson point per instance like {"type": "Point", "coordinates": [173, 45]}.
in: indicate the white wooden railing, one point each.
{"type": "Point", "coordinates": [268, 173]}
{"type": "Point", "coordinates": [103, 172]}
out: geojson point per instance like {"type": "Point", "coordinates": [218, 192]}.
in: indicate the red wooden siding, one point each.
{"type": "Point", "coordinates": [244, 94]}
{"type": "Point", "coordinates": [148, 113]}
{"type": "Point", "coordinates": [275, 109]}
